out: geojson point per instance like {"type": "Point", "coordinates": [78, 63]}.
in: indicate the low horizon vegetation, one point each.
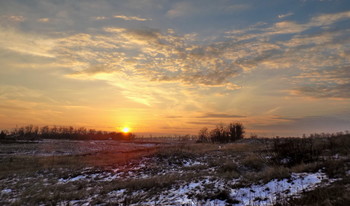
{"type": "Point", "coordinates": [116, 176]}
{"type": "Point", "coordinates": [222, 133]}
{"type": "Point", "coordinates": [122, 178]}
{"type": "Point", "coordinates": [31, 132]}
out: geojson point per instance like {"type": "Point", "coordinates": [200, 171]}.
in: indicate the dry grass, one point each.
{"type": "Point", "coordinates": [335, 194]}
{"type": "Point", "coordinates": [168, 167]}
{"type": "Point", "coordinates": [254, 162]}
{"type": "Point", "coordinates": [268, 174]}
{"type": "Point", "coordinates": [29, 164]}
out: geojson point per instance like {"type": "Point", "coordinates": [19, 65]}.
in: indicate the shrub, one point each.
{"type": "Point", "coordinates": [292, 151]}
{"type": "Point", "coordinates": [222, 133]}
{"type": "Point", "coordinates": [339, 144]}
{"type": "Point", "coordinates": [203, 135]}
{"type": "Point", "coordinates": [253, 162]}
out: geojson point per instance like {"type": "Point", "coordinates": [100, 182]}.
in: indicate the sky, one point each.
{"type": "Point", "coordinates": [174, 67]}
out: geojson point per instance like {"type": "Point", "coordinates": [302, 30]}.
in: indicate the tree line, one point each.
{"type": "Point", "coordinates": [222, 133]}
{"type": "Point", "coordinates": [31, 132]}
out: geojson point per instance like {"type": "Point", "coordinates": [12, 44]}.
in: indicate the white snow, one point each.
{"type": "Point", "coordinates": [116, 193]}
{"type": "Point", "coordinates": [262, 194]}
{"type": "Point", "coordinates": [268, 193]}
{"type": "Point", "coordinates": [79, 177]}
{"type": "Point", "coordinates": [191, 163]}
{"type": "Point", "coordinates": [6, 191]}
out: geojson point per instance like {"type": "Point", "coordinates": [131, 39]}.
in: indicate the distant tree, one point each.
{"type": "Point", "coordinates": [232, 132]}
{"type": "Point", "coordinates": [239, 131]}
{"type": "Point", "coordinates": [2, 135]}
{"type": "Point", "coordinates": [222, 133]}
{"type": "Point", "coordinates": [203, 135]}
{"type": "Point", "coordinates": [31, 132]}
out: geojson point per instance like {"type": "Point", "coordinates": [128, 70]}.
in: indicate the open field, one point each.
{"type": "Point", "coordinates": [248, 172]}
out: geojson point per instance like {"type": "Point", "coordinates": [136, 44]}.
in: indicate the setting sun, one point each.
{"type": "Point", "coordinates": [126, 129]}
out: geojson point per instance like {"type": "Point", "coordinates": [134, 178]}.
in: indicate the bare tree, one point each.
{"type": "Point", "coordinates": [203, 135]}
{"type": "Point", "coordinates": [222, 133]}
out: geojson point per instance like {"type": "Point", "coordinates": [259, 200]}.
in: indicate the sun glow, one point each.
{"type": "Point", "coordinates": [126, 129]}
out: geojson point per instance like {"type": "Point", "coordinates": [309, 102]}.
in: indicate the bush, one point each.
{"type": "Point", "coordinates": [292, 151]}
{"type": "Point", "coordinates": [253, 162]}
{"type": "Point", "coordinates": [222, 133]}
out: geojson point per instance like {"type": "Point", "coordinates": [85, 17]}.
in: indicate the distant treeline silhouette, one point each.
{"type": "Point", "coordinates": [31, 132]}
{"type": "Point", "coordinates": [222, 133]}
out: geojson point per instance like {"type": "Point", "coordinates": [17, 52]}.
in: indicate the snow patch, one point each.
{"type": "Point", "coordinates": [6, 191]}
{"type": "Point", "coordinates": [257, 194]}
{"type": "Point", "coordinates": [190, 163]}
{"type": "Point", "coordinates": [269, 193]}
{"type": "Point", "coordinates": [73, 179]}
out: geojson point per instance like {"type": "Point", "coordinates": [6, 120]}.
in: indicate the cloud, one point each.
{"type": "Point", "coordinates": [319, 55]}
{"type": "Point", "coordinates": [282, 16]}
{"type": "Point", "coordinates": [327, 19]}
{"type": "Point", "coordinates": [166, 57]}
{"type": "Point", "coordinates": [100, 18]}
{"type": "Point", "coordinates": [10, 106]}
{"type": "Point", "coordinates": [220, 115]}
{"type": "Point", "coordinates": [326, 91]}
{"type": "Point", "coordinates": [202, 123]}
{"type": "Point", "coordinates": [18, 92]}
{"type": "Point", "coordinates": [144, 62]}
{"type": "Point", "coordinates": [330, 82]}
{"type": "Point", "coordinates": [95, 69]}
{"type": "Point", "coordinates": [287, 27]}
{"type": "Point", "coordinates": [199, 8]}
{"type": "Point", "coordinates": [14, 18]}
{"type": "Point", "coordinates": [180, 9]}
{"type": "Point", "coordinates": [43, 20]}
{"type": "Point", "coordinates": [286, 118]}
{"type": "Point", "coordinates": [130, 18]}
{"type": "Point", "coordinates": [26, 43]}
{"type": "Point", "coordinates": [237, 7]}
{"type": "Point", "coordinates": [173, 116]}
{"type": "Point", "coordinates": [161, 57]}
{"type": "Point", "coordinates": [309, 124]}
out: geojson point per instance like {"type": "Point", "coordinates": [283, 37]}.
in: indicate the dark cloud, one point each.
{"type": "Point", "coordinates": [95, 69]}
{"type": "Point", "coordinates": [332, 82]}
{"type": "Point", "coordinates": [326, 91]}
{"type": "Point", "coordinates": [309, 124]}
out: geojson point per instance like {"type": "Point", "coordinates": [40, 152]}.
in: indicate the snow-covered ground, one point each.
{"type": "Point", "coordinates": [195, 181]}
{"type": "Point", "coordinates": [256, 194]}
{"type": "Point", "coordinates": [186, 193]}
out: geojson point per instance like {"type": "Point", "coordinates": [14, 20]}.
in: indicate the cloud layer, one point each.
{"type": "Point", "coordinates": [180, 62]}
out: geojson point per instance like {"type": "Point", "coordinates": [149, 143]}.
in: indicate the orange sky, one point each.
{"type": "Point", "coordinates": [173, 67]}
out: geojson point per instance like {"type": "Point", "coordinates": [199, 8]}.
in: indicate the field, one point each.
{"type": "Point", "coordinates": [312, 171]}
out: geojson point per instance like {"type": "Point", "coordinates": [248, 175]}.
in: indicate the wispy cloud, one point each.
{"type": "Point", "coordinates": [208, 123]}
{"type": "Point", "coordinates": [44, 20]}
{"type": "Point", "coordinates": [180, 9]}
{"type": "Point", "coordinates": [198, 8]}
{"type": "Point", "coordinates": [30, 44]}
{"type": "Point", "coordinates": [220, 115]}
{"type": "Point", "coordinates": [170, 58]}
{"type": "Point", "coordinates": [282, 16]}
{"type": "Point", "coordinates": [130, 18]}
{"type": "Point", "coordinates": [100, 18]}
{"type": "Point", "coordinates": [14, 18]}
